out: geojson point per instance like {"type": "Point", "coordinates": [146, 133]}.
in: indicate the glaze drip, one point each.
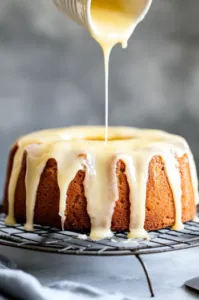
{"type": "Point", "coordinates": [112, 22]}
{"type": "Point", "coordinates": [77, 149]}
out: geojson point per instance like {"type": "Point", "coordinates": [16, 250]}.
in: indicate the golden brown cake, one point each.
{"type": "Point", "coordinates": [70, 178]}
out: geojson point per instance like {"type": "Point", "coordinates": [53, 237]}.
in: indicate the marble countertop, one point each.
{"type": "Point", "coordinates": [168, 271]}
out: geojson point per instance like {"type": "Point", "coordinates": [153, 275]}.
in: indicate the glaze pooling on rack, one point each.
{"type": "Point", "coordinates": [83, 148]}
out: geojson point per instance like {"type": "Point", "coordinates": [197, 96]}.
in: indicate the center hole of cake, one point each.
{"type": "Point", "coordinates": [110, 139]}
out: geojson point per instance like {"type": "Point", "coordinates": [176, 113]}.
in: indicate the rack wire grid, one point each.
{"type": "Point", "coordinates": [52, 240]}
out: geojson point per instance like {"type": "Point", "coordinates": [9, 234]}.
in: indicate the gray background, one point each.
{"type": "Point", "coordinates": [51, 72]}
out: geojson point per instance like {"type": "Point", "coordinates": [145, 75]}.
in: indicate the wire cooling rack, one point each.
{"type": "Point", "coordinates": [51, 240]}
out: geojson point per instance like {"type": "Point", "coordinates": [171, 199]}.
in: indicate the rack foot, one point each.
{"type": "Point", "coordinates": [146, 274]}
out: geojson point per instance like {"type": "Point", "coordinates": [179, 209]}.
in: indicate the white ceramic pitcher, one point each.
{"type": "Point", "coordinates": [80, 11]}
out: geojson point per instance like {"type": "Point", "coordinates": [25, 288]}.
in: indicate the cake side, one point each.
{"type": "Point", "coordinates": [160, 209]}
{"type": "Point", "coordinates": [8, 174]}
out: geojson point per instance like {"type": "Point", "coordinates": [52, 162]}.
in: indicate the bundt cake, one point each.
{"type": "Point", "coordinates": [71, 179]}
